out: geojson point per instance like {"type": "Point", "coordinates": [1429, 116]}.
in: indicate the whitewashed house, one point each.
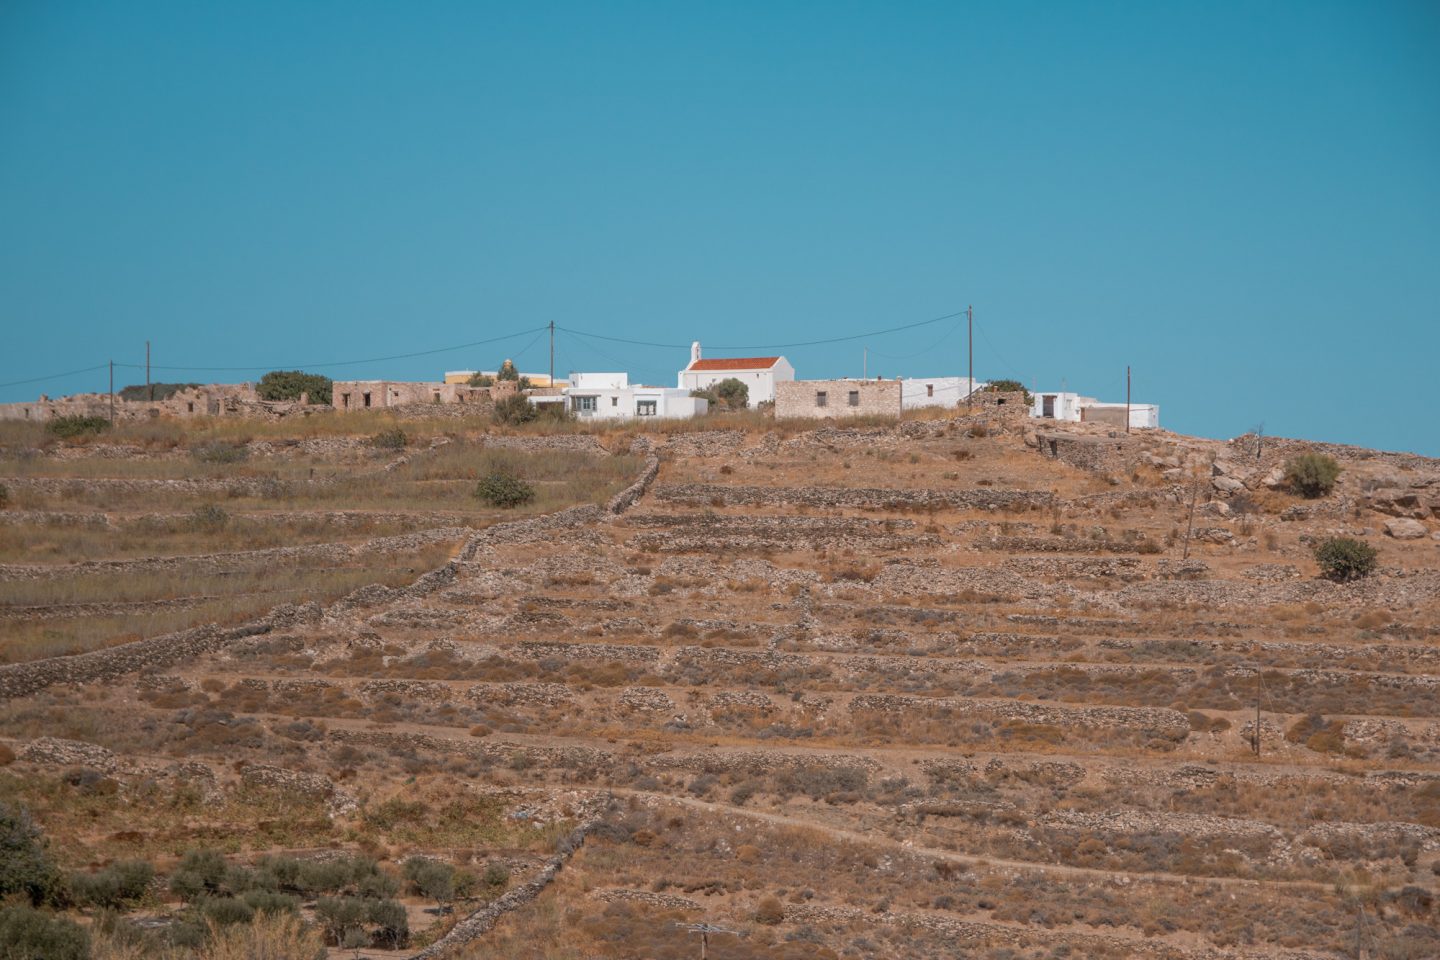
{"type": "Point", "coordinates": [611, 396]}
{"type": "Point", "coordinates": [759, 374]}
{"type": "Point", "coordinates": [917, 392]}
{"type": "Point", "coordinates": [1078, 409]}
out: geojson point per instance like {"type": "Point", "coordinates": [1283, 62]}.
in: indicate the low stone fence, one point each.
{"type": "Point", "coordinates": [862, 498]}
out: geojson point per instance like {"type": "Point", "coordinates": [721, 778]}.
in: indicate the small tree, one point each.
{"type": "Point", "coordinates": [514, 409]}
{"type": "Point", "coordinates": [481, 380]}
{"type": "Point", "coordinates": [504, 490]}
{"type": "Point", "coordinates": [1344, 558]}
{"type": "Point", "coordinates": [1312, 474]}
{"type": "Point", "coordinates": [733, 393]}
{"type": "Point", "coordinates": [289, 384]}
{"type": "Point", "coordinates": [26, 869]}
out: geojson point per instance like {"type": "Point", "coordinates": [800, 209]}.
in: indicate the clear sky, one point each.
{"type": "Point", "coordinates": [1241, 200]}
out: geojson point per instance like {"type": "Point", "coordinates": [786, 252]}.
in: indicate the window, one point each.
{"type": "Point", "coordinates": [929, 389]}
{"type": "Point", "coordinates": [854, 398]}
{"type": "Point", "coordinates": [367, 398]}
{"type": "Point", "coordinates": [345, 400]}
{"type": "Point", "coordinates": [614, 401]}
{"type": "Point", "coordinates": [190, 407]}
{"type": "Point", "coordinates": [645, 408]}
{"type": "Point", "coordinates": [585, 404]}
{"type": "Point", "coordinates": [436, 398]}
{"type": "Point", "coordinates": [820, 398]}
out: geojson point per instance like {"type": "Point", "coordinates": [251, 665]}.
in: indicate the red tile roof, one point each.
{"type": "Point", "coordinates": [735, 363]}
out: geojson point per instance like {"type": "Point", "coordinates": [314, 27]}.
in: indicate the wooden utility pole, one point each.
{"type": "Point", "coordinates": [1259, 684]}
{"type": "Point", "coordinates": [1190, 528]}
{"type": "Point", "coordinates": [149, 387]}
{"type": "Point", "coordinates": [970, 355]}
{"type": "Point", "coordinates": [112, 393]}
{"type": "Point", "coordinates": [705, 929]}
{"type": "Point", "coordinates": [1127, 398]}
{"type": "Point", "coordinates": [552, 354]}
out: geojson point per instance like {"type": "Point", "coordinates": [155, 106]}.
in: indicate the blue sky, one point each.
{"type": "Point", "coordinates": [1240, 200]}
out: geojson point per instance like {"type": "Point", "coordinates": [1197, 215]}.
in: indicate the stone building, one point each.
{"type": "Point", "coordinates": [837, 399]}
{"type": "Point", "coordinates": [380, 394]}
{"type": "Point", "coordinates": [209, 400]}
{"type": "Point", "coordinates": [917, 392]}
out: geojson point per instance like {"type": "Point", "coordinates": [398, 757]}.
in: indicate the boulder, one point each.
{"type": "Point", "coordinates": [1398, 502]}
{"type": "Point", "coordinates": [1404, 528]}
{"type": "Point", "coordinates": [1274, 479]}
{"type": "Point", "coordinates": [1227, 485]}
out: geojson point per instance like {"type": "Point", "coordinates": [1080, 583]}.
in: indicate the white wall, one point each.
{"type": "Point", "coordinates": [1068, 406]}
{"type": "Point", "coordinates": [600, 381]}
{"type": "Point", "coordinates": [761, 382]}
{"type": "Point", "coordinates": [632, 402]}
{"type": "Point", "coordinates": [916, 392]}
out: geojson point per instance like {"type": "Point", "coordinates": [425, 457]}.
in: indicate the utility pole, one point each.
{"type": "Point", "coordinates": [112, 393]}
{"type": "Point", "coordinates": [970, 355]}
{"type": "Point", "coordinates": [1258, 684]}
{"type": "Point", "coordinates": [552, 354]}
{"type": "Point", "coordinates": [1127, 398]}
{"type": "Point", "coordinates": [1189, 529]}
{"type": "Point", "coordinates": [149, 387]}
{"type": "Point", "coordinates": [705, 929]}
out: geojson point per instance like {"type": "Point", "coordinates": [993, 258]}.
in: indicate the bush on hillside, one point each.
{"type": "Point", "coordinates": [289, 384]}
{"type": "Point", "coordinates": [67, 428]}
{"type": "Point", "coordinates": [392, 439]}
{"type": "Point", "coordinates": [26, 870]}
{"type": "Point", "coordinates": [504, 490]}
{"type": "Point", "coordinates": [1344, 558]}
{"type": "Point", "coordinates": [514, 409]}
{"type": "Point", "coordinates": [121, 884]}
{"type": "Point", "coordinates": [29, 934]}
{"type": "Point", "coordinates": [1312, 474]}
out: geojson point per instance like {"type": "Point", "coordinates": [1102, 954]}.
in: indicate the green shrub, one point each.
{"type": "Point", "coordinates": [4, 496]}
{"type": "Point", "coordinates": [28, 934]}
{"type": "Point", "coordinates": [268, 901]}
{"type": "Point", "coordinates": [1345, 558]}
{"type": "Point", "coordinates": [1312, 474]}
{"type": "Point", "coordinates": [481, 380]}
{"type": "Point", "coordinates": [431, 879]}
{"type": "Point", "coordinates": [289, 384]}
{"type": "Point", "coordinates": [496, 875]}
{"type": "Point", "coordinates": [504, 490]}
{"type": "Point", "coordinates": [121, 884]}
{"type": "Point", "coordinates": [733, 393]}
{"type": "Point", "coordinates": [200, 873]}
{"type": "Point", "coordinates": [26, 869]}
{"type": "Point", "coordinates": [68, 428]}
{"type": "Point", "coordinates": [219, 451]}
{"type": "Point", "coordinates": [209, 517]}
{"type": "Point", "coordinates": [223, 911]}
{"type": "Point", "coordinates": [392, 439]}
{"type": "Point", "coordinates": [139, 392]}
{"type": "Point", "coordinates": [514, 409]}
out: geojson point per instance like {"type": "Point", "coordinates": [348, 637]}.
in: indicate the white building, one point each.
{"type": "Point", "coordinates": [917, 392]}
{"type": "Point", "coordinates": [1078, 409]}
{"type": "Point", "coordinates": [611, 396]}
{"type": "Point", "coordinates": [760, 374]}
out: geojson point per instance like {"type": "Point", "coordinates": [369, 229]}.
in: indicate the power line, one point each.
{"type": "Point", "coordinates": [350, 363]}
{"type": "Point", "coordinates": [54, 376]}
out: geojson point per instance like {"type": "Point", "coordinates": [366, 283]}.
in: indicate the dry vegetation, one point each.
{"type": "Point", "coordinates": [940, 721]}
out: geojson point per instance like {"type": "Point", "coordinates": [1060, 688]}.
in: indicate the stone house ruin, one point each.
{"type": "Point", "coordinates": [382, 394]}
{"type": "Point", "coordinates": [837, 399]}
{"type": "Point", "coordinates": [210, 400]}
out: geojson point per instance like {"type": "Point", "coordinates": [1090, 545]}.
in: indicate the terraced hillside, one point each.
{"type": "Point", "coordinates": [924, 690]}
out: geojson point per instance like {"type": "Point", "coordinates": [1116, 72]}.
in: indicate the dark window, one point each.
{"type": "Point", "coordinates": [820, 398]}
{"type": "Point", "coordinates": [367, 398]}
{"type": "Point", "coordinates": [854, 398]}
{"type": "Point", "coordinates": [929, 389]}
{"type": "Point", "coordinates": [645, 408]}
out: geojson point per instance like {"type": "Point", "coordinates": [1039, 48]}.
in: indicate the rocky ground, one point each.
{"type": "Point", "coordinates": [944, 688]}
